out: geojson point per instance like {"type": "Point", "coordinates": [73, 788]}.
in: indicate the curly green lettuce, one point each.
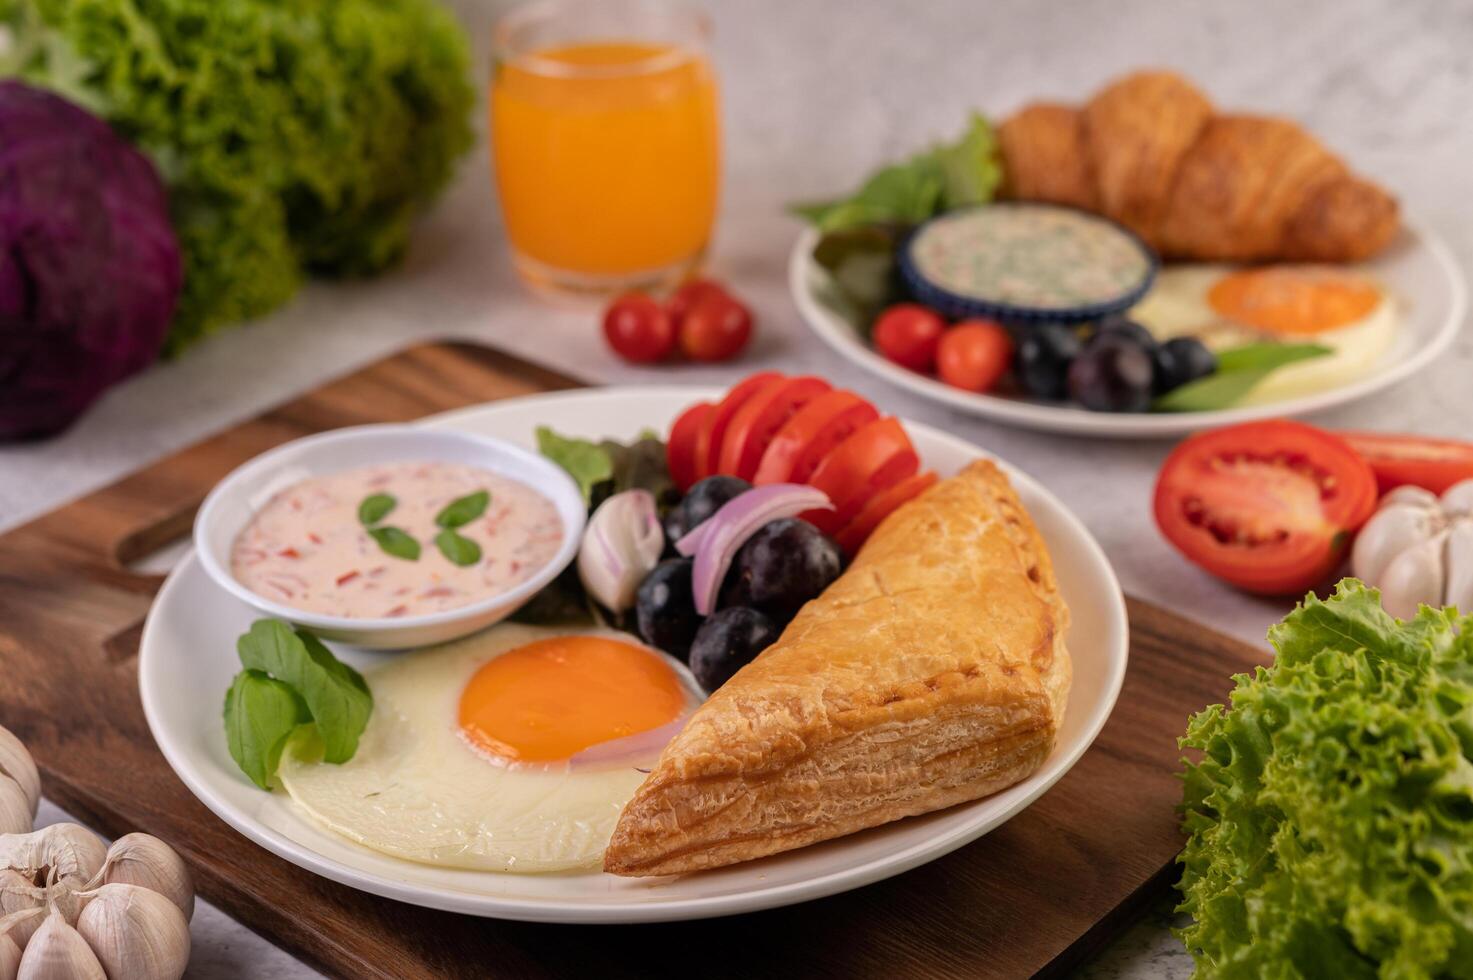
{"type": "Point", "coordinates": [295, 138]}
{"type": "Point", "coordinates": [1330, 819]}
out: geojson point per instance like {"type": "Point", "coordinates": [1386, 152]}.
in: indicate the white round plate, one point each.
{"type": "Point", "coordinates": [1418, 268]}
{"type": "Point", "coordinates": [187, 659]}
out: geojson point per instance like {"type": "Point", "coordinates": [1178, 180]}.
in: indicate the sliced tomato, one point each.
{"type": "Point", "coordinates": [758, 420]}
{"type": "Point", "coordinates": [1267, 506]}
{"type": "Point", "coordinates": [879, 507]}
{"type": "Point", "coordinates": [709, 439]}
{"type": "Point", "coordinates": [806, 438]}
{"type": "Point", "coordinates": [873, 459]}
{"type": "Point", "coordinates": [680, 448]}
{"type": "Point", "coordinates": [1399, 460]}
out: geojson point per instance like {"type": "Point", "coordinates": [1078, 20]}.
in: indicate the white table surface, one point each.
{"type": "Point", "coordinates": [815, 94]}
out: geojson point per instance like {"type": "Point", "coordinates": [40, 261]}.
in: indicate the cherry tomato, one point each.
{"type": "Point", "coordinates": [1398, 460]}
{"type": "Point", "coordinates": [758, 420]}
{"type": "Point", "coordinates": [873, 459]}
{"type": "Point", "coordinates": [713, 430]}
{"type": "Point", "coordinates": [639, 329]}
{"type": "Point", "coordinates": [879, 507]}
{"type": "Point", "coordinates": [716, 328]}
{"type": "Point", "coordinates": [973, 354]}
{"type": "Point", "coordinates": [688, 294]}
{"type": "Point", "coordinates": [1267, 506]}
{"type": "Point", "coordinates": [680, 448]}
{"type": "Point", "coordinates": [806, 438]}
{"type": "Point", "coordinates": [908, 334]}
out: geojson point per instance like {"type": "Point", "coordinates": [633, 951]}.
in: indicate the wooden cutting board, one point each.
{"type": "Point", "coordinates": [1038, 895]}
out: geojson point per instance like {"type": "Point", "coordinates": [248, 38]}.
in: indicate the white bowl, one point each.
{"type": "Point", "coordinates": [235, 500]}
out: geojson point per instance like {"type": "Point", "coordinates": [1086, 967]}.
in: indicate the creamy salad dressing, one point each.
{"type": "Point", "coordinates": [1030, 255]}
{"type": "Point", "coordinates": [307, 549]}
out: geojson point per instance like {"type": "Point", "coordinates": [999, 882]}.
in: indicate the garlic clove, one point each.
{"type": "Point", "coordinates": [1414, 578]}
{"type": "Point", "coordinates": [15, 808]}
{"type": "Point", "coordinates": [1457, 559]}
{"type": "Point", "coordinates": [621, 544]}
{"type": "Point", "coordinates": [1458, 498]}
{"type": "Point", "coordinates": [1389, 532]}
{"type": "Point", "coordinates": [139, 859]}
{"type": "Point", "coordinates": [62, 851]}
{"type": "Point", "coordinates": [136, 932]}
{"type": "Point", "coordinates": [20, 926]}
{"type": "Point", "coordinates": [17, 763]}
{"type": "Point", "coordinates": [17, 893]}
{"type": "Point", "coordinates": [1409, 496]}
{"type": "Point", "coordinates": [58, 952]}
{"type": "Point", "coordinates": [9, 958]}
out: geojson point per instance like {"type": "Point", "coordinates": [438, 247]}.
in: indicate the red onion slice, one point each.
{"type": "Point", "coordinates": [642, 746]}
{"type": "Point", "coordinates": [715, 541]}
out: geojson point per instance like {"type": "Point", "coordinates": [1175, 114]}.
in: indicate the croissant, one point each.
{"type": "Point", "coordinates": [1150, 152]}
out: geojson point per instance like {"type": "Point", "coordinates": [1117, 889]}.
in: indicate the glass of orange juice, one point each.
{"type": "Point", "coordinates": [606, 142]}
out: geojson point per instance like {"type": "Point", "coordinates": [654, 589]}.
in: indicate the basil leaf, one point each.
{"type": "Point", "coordinates": [970, 167]}
{"type": "Point", "coordinates": [335, 694]}
{"type": "Point", "coordinates": [463, 510]}
{"type": "Point", "coordinates": [1238, 371]}
{"type": "Point", "coordinates": [863, 277]}
{"type": "Point", "coordinates": [586, 462]}
{"type": "Point", "coordinates": [375, 508]}
{"type": "Point", "coordinates": [260, 715]}
{"type": "Point", "coordinates": [459, 549]}
{"type": "Point", "coordinates": [394, 541]}
{"type": "Point", "coordinates": [641, 465]}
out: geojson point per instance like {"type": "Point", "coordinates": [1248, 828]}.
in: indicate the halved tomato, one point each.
{"type": "Point", "coordinates": [1399, 460]}
{"type": "Point", "coordinates": [758, 420]}
{"type": "Point", "coordinates": [680, 448]}
{"type": "Point", "coordinates": [881, 506]}
{"type": "Point", "coordinates": [806, 438]}
{"type": "Point", "coordinates": [708, 441]}
{"type": "Point", "coordinates": [1267, 506]}
{"type": "Point", "coordinates": [873, 459]}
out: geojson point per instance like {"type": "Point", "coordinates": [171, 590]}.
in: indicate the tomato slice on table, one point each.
{"type": "Point", "coordinates": [680, 448]}
{"type": "Point", "coordinates": [879, 507]}
{"type": "Point", "coordinates": [806, 438]}
{"type": "Point", "coordinates": [876, 457]}
{"type": "Point", "coordinates": [1399, 460]}
{"type": "Point", "coordinates": [758, 420]}
{"type": "Point", "coordinates": [713, 431]}
{"type": "Point", "coordinates": [1267, 506]}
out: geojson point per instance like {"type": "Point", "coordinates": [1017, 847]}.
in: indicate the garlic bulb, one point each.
{"type": "Point", "coordinates": [63, 852]}
{"type": "Point", "coordinates": [17, 764]}
{"type": "Point", "coordinates": [621, 544]}
{"type": "Point", "coordinates": [1418, 549]}
{"type": "Point", "coordinates": [135, 932]}
{"type": "Point", "coordinates": [138, 859]}
{"type": "Point", "coordinates": [58, 952]}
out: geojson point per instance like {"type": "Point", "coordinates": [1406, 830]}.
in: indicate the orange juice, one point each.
{"type": "Point", "coordinates": [607, 157]}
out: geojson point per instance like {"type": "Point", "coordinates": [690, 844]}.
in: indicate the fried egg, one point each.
{"type": "Point", "coordinates": [1226, 307]}
{"type": "Point", "coordinates": [511, 750]}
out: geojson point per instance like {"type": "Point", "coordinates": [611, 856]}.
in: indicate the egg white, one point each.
{"type": "Point", "coordinates": [1177, 306]}
{"type": "Point", "coordinates": [415, 789]}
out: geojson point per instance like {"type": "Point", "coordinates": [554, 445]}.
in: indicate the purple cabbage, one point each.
{"type": "Point", "coordinates": [89, 265]}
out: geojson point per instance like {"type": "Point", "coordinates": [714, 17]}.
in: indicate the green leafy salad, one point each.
{"type": "Point", "coordinates": [1330, 818]}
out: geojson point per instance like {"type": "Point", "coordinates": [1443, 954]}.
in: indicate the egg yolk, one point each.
{"type": "Point", "coordinates": [1295, 300]}
{"type": "Point", "coordinates": [552, 699]}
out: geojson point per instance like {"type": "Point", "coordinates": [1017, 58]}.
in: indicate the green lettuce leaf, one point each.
{"type": "Point", "coordinates": [335, 694]}
{"type": "Point", "coordinates": [1239, 370]}
{"type": "Point", "coordinates": [260, 715]}
{"type": "Point", "coordinates": [1330, 814]}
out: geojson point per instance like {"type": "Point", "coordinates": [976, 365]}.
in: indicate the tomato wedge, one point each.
{"type": "Point", "coordinates": [708, 442]}
{"type": "Point", "coordinates": [1399, 460]}
{"type": "Point", "coordinates": [881, 506]}
{"type": "Point", "coordinates": [875, 458]}
{"type": "Point", "coordinates": [1267, 506]}
{"type": "Point", "coordinates": [680, 448]}
{"type": "Point", "coordinates": [758, 420]}
{"type": "Point", "coordinates": [806, 438]}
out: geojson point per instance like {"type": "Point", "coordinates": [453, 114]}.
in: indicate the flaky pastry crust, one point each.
{"type": "Point", "coordinates": [931, 673]}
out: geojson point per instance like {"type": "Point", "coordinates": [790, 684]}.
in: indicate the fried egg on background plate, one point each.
{"type": "Point", "coordinates": [1225, 306]}
{"type": "Point", "coordinates": [511, 750]}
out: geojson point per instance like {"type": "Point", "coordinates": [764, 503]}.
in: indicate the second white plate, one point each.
{"type": "Point", "coordinates": [187, 659]}
{"type": "Point", "coordinates": [1418, 268]}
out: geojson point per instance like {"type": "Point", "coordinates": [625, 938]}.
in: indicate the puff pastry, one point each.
{"type": "Point", "coordinates": [931, 673]}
